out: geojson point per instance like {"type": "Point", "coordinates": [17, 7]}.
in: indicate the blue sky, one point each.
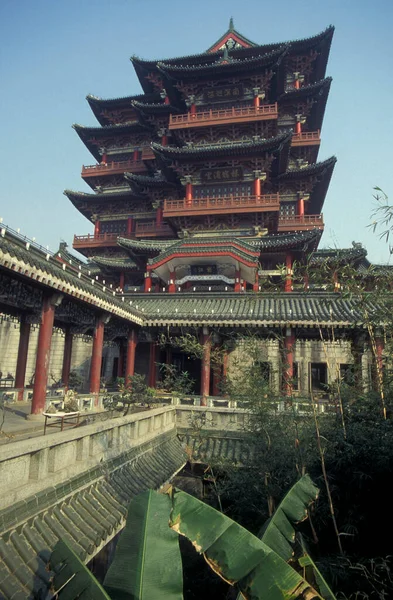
{"type": "Point", "coordinates": [53, 53]}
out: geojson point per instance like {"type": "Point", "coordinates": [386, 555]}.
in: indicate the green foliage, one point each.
{"type": "Point", "coordinates": [72, 579]}
{"type": "Point", "coordinates": [176, 382]}
{"type": "Point", "coordinates": [132, 392]}
{"type": "Point", "coordinates": [75, 381]}
{"type": "Point", "coordinates": [236, 555]}
{"type": "Point", "coordinates": [147, 561]}
{"type": "Point", "coordinates": [279, 533]}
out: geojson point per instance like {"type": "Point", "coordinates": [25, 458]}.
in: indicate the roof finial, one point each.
{"type": "Point", "coordinates": [225, 55]}
{"type": "Point", "coordinates": [231, 25]}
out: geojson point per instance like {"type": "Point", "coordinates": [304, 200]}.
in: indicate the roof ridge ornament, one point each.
{"type": "Point", "coordinates": [231, 25]}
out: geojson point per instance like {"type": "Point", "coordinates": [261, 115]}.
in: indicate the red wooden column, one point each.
{"type": "Point", "coordinates": [255, 285]}
{"type": "Point", "coordinates": [172, 282]}
{"type": "Point", "coordinates": [121, 280]}
{"type": "Point", "coordinates": [300, 207]}
{"type": "Point", "coordinates": [216, 376]}
{"type": "Point", "coordinates": [65, 373]}
{"type": "Point", "coordinates": [148, 282]}
{"type": "Point", "coordinates": [23, 348]}
{"type": "Point", "coordinates": [159, 216]}
{"type": "Point", "coordinates": [336, 282]}
{"type": "Point", "coordinates": [135, 156]}
{"type": "Point", "coordinates": [43, 353]}
{"type": "Point", "coordinates": [152, 365]}
{"type": "Point", "coordinates": [289, 341]}
{"type": "Point", "coordinates": [132, 341]}
{"type": "Point", "coordinates": [96, 357]}
{"type": "Point", "coordinates": [96, 228]}
{"type": "Point", "coordinates": [256, 101]}
{"type": "Point", "coordinates": [238, 285]}
{"type": "Point", "coordinates": [205, 369]}
{"type": "Point", "coordinates": [288, 273]}
{"type": "Point", "coordinates": [188, 191]}
{"type": "Point", "coordinates": [130, 225]}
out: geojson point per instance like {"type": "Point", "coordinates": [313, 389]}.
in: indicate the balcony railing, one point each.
{"type": "Point", "coordinates": [222, 205]}
{"type": "Point", "coordinates": [152, 230]}
{"type": "Point", "coordinates": [300, 222]}
{"type": "Point", "coordinates": [114, 168]}
{"type": "Point", "coordinates": [225, 115]}
{"type": "Point", "coordinates": [306, 138]}
{"type": "Point", "coordinates": [110, 239]}
{"type": "Point", "coordinates": [91, 241]}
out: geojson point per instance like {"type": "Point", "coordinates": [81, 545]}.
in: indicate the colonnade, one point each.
{"type": "Point", "coordinates": [209, 384]}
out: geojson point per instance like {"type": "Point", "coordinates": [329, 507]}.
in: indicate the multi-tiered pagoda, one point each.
{"type": "Point", "coordinates": [210, 178]}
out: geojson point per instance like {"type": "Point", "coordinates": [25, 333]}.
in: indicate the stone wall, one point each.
{"type": "Point", "coordinates": [9, 342]}
{"type": "Point", "coordinates": [32, 465]}
{"type": "Point", "coordinates": [305, 352]}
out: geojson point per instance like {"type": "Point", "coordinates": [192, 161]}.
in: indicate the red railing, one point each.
{"type": "Point", "coordinates": [300, 222]}
{"type": "Point", "coordinates": [102, 239]}
{"type": "Point", "coordinates": [224, 204]}
{"type": "Point", "coordinates": [306, 138]}
{"type": "Point", "coordinates": [247, 113]}
{"type": "Point", "coordinates": [147, 153]}
{"type": "Point", "coordinates": [151, 229]}
{"type": "Point", "coordinates": [113, 167]}
{"type": "Point", "coordinates": [110, 239]}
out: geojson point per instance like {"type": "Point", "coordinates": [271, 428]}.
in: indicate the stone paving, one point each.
{"type": "Point", "coordinates": [16, 426]}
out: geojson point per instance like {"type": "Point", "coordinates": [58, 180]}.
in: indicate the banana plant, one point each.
{"type": "Point", "coordinates": [147, 561]}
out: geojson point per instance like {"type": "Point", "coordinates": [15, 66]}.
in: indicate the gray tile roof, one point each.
{"type": "Point", "coordinates": [84, 511]}
{"type": "Point", "coordinates": [250, 309]}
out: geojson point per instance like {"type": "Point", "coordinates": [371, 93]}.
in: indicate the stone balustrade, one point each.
{"type": "Point", "coordinates": [30, 466]}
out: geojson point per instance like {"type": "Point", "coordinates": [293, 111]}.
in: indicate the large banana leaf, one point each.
{"type": "Point", "coordinates": [147, 563]}
{"type": "Point", "coordinates": [235, 554]}
{"type": "Point", "coordinates": [278, 533]}
{"type": "Point", "coordinates": [70, 570]}
{"type": "Point", "coordinates": [312, 572]}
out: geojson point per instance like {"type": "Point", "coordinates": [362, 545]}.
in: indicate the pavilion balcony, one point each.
{"type": "Point", "coordinates": [223, 205]}
{"type": "Point", "coordinates": [306, 138]}
{"type": "Point", "coordinates": [152, 230]}
{"type": "Point", "coordinates": [147, 153]}
{"type": "Point", "coordinates": [114, 168]}
{"type": "Point", "coordinates": [110, 239]}
{"type": "Point", "coordinates": [96, 241]}
{"type": "Point", "coordinates": [227, 115]}
{"type": "Point", "coordinates": [300, 222]}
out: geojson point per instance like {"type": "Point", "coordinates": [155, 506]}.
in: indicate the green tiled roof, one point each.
{"type": "Point", "coordinates": [85, 511]}
{"type": "Point", "coordinates": [306, 91]}
{"type": "Point", "coordinates": [205, 245]}
{"type": "Point", "coordinates": [144, 245]}
{"type": "Point", "coordinates": [54, 267]}
{"type": "Point", "coordinates": [185, 71]}
{"type": "Point", "coordinates": [250, 309]}
{"type": "Point", "coordinates": [113, 262]}
{"type": "Point", "coordinates": [249, 147]}
{"type": "Point", "coordinates": [319, 168]}
{"type": "Point", "coordinates": [154, 107]}
{"type": "Point", "coordinates": [147, 181]}
{"type": "Point", "coordinates": [206, 57]}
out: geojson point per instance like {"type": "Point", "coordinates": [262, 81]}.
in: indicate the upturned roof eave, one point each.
{"type": "Point", "coordinates": [271, 145]}
{"type": "Point", "coordinates": [326, 34]}
{"type": "Point", "coordinates": [272, 59]}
